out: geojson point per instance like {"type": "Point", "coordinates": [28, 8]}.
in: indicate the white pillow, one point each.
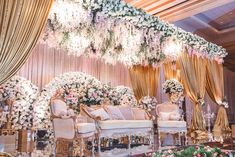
{"type": "Point", "coordinates": [100, 113]}
{"type": "Point", "coordinates": [139, 114]}
{"type": "Point", "coordinates": [58, 107]}
{"type": "Point", "coordinates": [164, 115]}
{"type": "Point", "coordinates": [174, 116]}
{"type": "Point", "coordinates": [114, 112]}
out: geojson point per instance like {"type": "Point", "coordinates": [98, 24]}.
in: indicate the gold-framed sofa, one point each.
{"type": "Point", "coordinates": [120, 121]}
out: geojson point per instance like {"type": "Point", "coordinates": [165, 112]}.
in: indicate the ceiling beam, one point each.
{"type": "Point", "coordinates": [189, 9]}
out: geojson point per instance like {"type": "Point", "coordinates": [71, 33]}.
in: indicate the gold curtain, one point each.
{"type": "Point", "coordinates": [215, 89]}
{"type": "Point", "coordinates": [193, 75]}
{"type": "Point", "coordinates": [21, 23]}
{"type": "Point", "coordinates": [144, 80]}
{"type": "Point", "coordinates": [169, 72]}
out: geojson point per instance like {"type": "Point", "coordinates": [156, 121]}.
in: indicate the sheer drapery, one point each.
{"type": "Point", "coordinates": [144, 80]}
{"type": "Point", "coordinates": [46, 63]}
{"type": "Point", "coordinates": [215, 89]}
{"type": "Point", "coordinates": [21, 23]}
{"type": "Point", "coordinates": [194, 80]}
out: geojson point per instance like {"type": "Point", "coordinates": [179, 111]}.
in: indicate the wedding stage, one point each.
{"type": "Point", "coordinates": [102, 78]}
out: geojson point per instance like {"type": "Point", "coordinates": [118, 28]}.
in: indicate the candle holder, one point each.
{"type": "Point", "coordinates": [208, 116]}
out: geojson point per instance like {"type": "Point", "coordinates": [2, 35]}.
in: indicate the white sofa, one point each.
{"type": "Point", "coordinates": [66, 127]}
{"type": "Point", "coordinates": [170, 120]}
{"type": "Point", "coordinates": [119, 121]}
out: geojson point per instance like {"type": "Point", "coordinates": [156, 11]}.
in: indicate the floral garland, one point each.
{"type": "Point", "coordinates": [116, 31]}
{"type": "Point", "coordinates": [24, 93]}
{"type": "Point", "coordinates": [195, 151]}
{"type": "Point", "coordinates": [148, 102]}
{"type": "Point", "coordinates": [122, 95]}
{"type": "Point", "coordinates": [175, 89]}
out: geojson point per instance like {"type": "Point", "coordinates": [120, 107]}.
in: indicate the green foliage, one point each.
{"type": "Point", "coordinates": [197, 151]}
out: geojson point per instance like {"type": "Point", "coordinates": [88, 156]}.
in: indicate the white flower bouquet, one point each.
{"type": "Point", "coordinates": [122, 95]}
{"type": "Point", "coordinates": [148, 103]}
{"type": "Point", "coordinates": [175, 89]}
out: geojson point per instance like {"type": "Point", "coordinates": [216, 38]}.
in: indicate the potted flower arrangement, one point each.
{"type": "Point", "coordinates": [175, 90]}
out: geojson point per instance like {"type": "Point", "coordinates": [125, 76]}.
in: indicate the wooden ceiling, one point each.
{"type": "Point", "coordinates": [213, 20]}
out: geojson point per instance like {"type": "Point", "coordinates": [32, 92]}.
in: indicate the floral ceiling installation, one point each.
{"type": "Point", "coordinates": [115, 31]}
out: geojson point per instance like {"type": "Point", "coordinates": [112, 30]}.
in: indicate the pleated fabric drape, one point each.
{"type": "Point", "coordinates": [21, 23]}
{"type": "Point", "coordinates": [193, 74]}
{"type": "Point", "coordinates": [144, 80]}
{"type": "Point", "coordinates": [169, 71]}
{"type": "Point", "coordinates": [45, 63]}
{"type": "Point", "coordinates": [215, 89]}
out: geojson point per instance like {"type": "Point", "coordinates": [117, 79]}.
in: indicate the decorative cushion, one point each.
{"type": "Point", "coordinates": [126, 112]}
{"type": "Point", "coordinates": [164, 115]}
{"type": "Point", "coordinates": [167, 107]}
{"type": "Point", "coordinates": [171, 124]}
{"type": "Point", "coordinates": [125, 124]}
{"type": "Point", "coordinates": [83, 128]}
{"type": "Point", "coordinates": [100, 113]}
{"type": "Point", "coordinates": [58, 107]}
{"type": "Point", "coordinates": [114, 112]}
{"type": "Point", "coordinates": [174, 116]}
{"type": "Point", "coordinates": [139, 114]}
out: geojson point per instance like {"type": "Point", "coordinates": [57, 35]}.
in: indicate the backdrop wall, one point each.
{"type": "Point", "coordinates": [45, 63]}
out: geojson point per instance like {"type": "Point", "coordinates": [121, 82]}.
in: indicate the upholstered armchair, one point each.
{"type": "Point", "coordinates": [66, 126]}
{"type": "Point", "coordinates": [170, 120]}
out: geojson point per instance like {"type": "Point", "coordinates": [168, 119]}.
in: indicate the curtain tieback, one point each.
{"type": "Point", "coordinates": [224, 103]}
{"type": "Point", "coordinates": [200, 101]}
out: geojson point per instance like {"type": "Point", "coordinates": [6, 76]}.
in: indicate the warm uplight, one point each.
{"type": "Point", "coordinates": [172, 48]}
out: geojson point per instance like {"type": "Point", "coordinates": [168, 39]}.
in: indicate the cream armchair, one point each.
{"type": "Point", "coordinates": [169, 120]}
{"type": "Point", "coordinates": [66, 127]}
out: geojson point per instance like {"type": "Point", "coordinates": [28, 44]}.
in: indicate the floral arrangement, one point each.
{"type": "Point", "coordinates": [116, 31]}
{"type": "Point", "coordinates": [195, 151]}
{"type": "Point", "coordinates": [90, 92]}
{"type": "Point", "coordinates": [148, 103]}
{"type": "Point", "coordinates": [122, 95]}
{"type": "Point", "coordinates": [77, 88]}
{"type": "Point", "coordinates": [22, 117]}
{"type": "Point", "coordinates": [175, 89]}
{"type": "Point", "coordinates": [23, 93]}
{"type": "Point", "coordinates": [18, 88]}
